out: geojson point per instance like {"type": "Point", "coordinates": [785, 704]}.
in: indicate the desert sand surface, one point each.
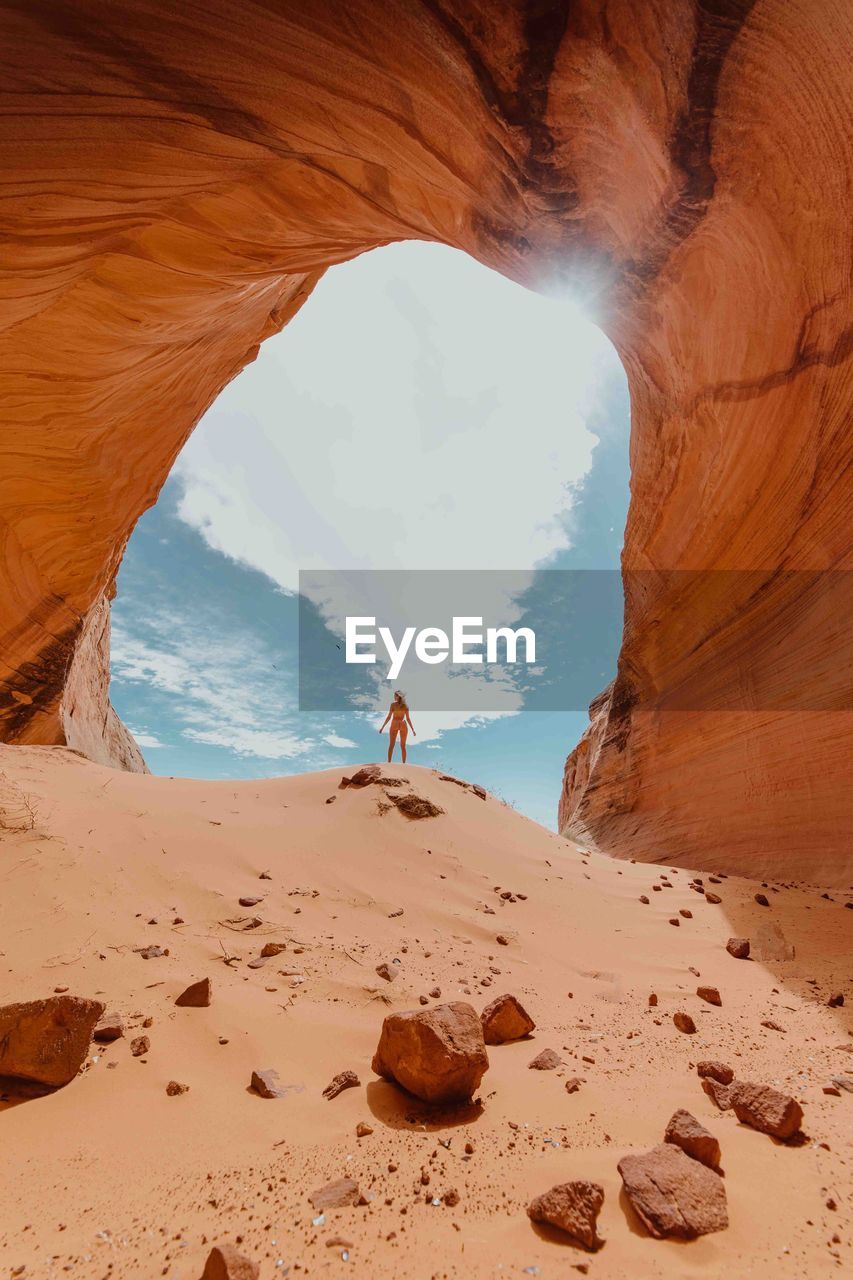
{"type": "Point", "coordinates": [111, 1176]}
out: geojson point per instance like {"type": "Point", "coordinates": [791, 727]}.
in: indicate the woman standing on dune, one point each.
{"type": "Point", "coordinates": [401, 722]}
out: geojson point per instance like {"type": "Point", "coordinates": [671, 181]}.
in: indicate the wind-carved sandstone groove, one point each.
{"type": "Point", "coordinates": [172, 190]}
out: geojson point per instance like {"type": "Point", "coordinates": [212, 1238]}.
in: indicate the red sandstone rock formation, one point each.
{"type": "Point", "coordinates": [173, 188]}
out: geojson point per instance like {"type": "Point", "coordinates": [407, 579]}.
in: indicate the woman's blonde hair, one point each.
{"type": "Point", "coordinates": [400, 697]}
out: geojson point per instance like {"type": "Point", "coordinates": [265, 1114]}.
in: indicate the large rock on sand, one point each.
{"type": "Point", "coordinates": [573, 1207]}
{"type": "Point", "coordinates": [674, 1195]}
{"type": "Point", "coordinates": [47, 1040]}
{"type": "Point", "coordinates": [224, 1262]}
{"type": "Point", "coordinates": [505, 1019]}
{"type": "Point", "coordinates": [766, 1109]}
{"type": "Point", "coordinates": [685, 1131]}
{"type": "Point", "coordinates": [437, 1054]}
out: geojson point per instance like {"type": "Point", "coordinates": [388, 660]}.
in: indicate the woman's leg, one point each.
{"type": "Point", "coordinates": [392, 734]}
{"type": "Point", "coordinates": [404, 733]}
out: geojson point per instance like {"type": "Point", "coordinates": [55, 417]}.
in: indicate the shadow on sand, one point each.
{"type": "Point", "coordinates": [13, 1092]}
{"type": "Point", "coordinates": [397, 1109]}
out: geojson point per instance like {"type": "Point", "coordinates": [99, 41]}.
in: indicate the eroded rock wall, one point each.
{"type": "Point", "coordinates": [173, 187]}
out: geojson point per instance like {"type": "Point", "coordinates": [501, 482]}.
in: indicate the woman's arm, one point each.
{"type": "Point", "coordinates": [385, 721]}
{"type": "Point", "coordinates": [411, 726]}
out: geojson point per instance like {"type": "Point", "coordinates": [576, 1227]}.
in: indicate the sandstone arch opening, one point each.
{"type": "Point", "coordinates": [196, 191]}
{"type": "Point", "coordinates": [420, 413]}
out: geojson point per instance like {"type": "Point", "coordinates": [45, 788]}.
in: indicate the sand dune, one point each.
{"type": "Point", "coordinates": [113, 1176]}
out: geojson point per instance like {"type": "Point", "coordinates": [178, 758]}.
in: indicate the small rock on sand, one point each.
{"type": "Point", "coordinates": [684, 1022]}
{"type": "Point", "coordinates": [685, 1131]}
{"type": "Point", "coordinates": [388, 971]}
{"type": "Point", "coordinates": [363, 1130]}
{"type": "Point", "coordinates": [250, 901]}
{"type": "Point", "coordinates": [761, 899]}
{"type": "Point", "coordinates": [709, 994]}
{"type": "Point", "coordinates": [412, 806]}
{"type": "Point", "coordinates": [335, 1195]}
{"type": "Point", "coordinates": [175, 1089]}
{"type": "Point", "coordinates": [547, 1060]}
{"type": "Point", "coordinates": [139, 1046]}
{"type": "Point", "coordinates": [572, 1207]}
{"type": "Point", "coordinates": [343, 1080]}
{"type": "Point", "coordinates": [224, 1262]}
{"type": "Point", "coordinates": [738, 947]}
{"type": "Point", "coordinates": [573, 1084]}
{"type": "Point", "coordinates": [267, 1084]}
{"type": "Point", "coordinates": [110, 1026]}
{"type": "Point", "coordinates": [674, 1195]}
{"type": "Point", "coordinates": [272, 949]}
{"type": "Point", "coordinates": [505, 1019]}
{"type": "Point", "coordinates": [362, 777]}
{"type": "Point", "coordinates": [197, 995]}
{"type": "Point", "coordinates": [716, 1070]}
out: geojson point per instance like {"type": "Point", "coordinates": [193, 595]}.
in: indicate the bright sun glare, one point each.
{"type": "Point", "coordinates": [416, 396]}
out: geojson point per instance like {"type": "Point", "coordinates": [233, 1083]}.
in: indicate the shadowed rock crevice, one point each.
{"type": "Point", "coordinates": [718, 24]}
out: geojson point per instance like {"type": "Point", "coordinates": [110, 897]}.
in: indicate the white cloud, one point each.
{"type": "Point", "coordinates": [420, 412]}
{"type": "Point", "coordinates": [251, 742]}
{"type": "Point", "coordinates": [335, 740]}
{"type": "Point", "coordinates": [148, 741]}
{"type": "Point", "coordinates": [223, 691]}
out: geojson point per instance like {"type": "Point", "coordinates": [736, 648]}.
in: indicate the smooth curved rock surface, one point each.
{"type": "Point", "coordinates": [173, 186]}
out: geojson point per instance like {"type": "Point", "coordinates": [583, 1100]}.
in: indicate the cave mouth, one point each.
{"type": "Point", "coordinates": [420, 412]}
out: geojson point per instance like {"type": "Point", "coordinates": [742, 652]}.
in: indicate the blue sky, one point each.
{"type": "Point", "coordinates": [420, 412]}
